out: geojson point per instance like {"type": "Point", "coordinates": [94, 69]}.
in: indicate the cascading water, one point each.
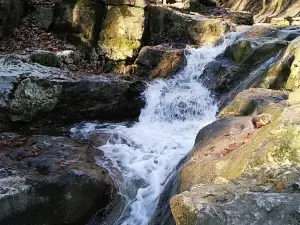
{"type": "Point", "coordinates": [175, 111]}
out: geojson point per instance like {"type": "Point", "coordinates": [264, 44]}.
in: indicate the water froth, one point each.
{"type": "Point", "coordinates": [175, 110]}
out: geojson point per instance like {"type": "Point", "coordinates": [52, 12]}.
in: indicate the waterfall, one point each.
{"type": "Point", "coordinates": [148, 151]}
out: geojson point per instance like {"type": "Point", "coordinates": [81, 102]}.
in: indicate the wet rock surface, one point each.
{"type": "Point", "coordinates": [54, 178]}
{"type": "Point", "coordinates": [249, 161]}
{"type": "Point", "coordinates": [31, 91]}
{"type": "Point", "coordinates": [159, 61]}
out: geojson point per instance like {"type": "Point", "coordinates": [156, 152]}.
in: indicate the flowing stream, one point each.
{"type": "Point", "coordinates": [147, 151]}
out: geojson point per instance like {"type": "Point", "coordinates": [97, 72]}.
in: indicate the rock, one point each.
{"type": "Point", "coordinates": [284, 74]}
{"type": "Point", "coordinates": [264, 11]}
{"type": "Point", "coordinates": [87, 19]}
{"type": "Point", "coordinates": [285, 33]}
{"type": "Point", "coordinates": [281, 22]}
{"type": "Point", "coordinates": [136, 3]}
{"type": "Point", "coordinates": [68, 56]}
{"type": "Point", "coordinates": [123, 29]}
{"type": "Point", "coordinates": [31, 92]}
{"type": "Point", "coordinates": [11, 12]}
{"type": "Point", "coordinates": [243, 65]}
{"type": "Point", "coordinates": [219, 204]}
{"type": "Point", "coordinates": [213, 143]}
{"type": "Point", "coordinates": [262, 120]}
{"type": "Point", "coordinates": [83, 17]}
{"type": "Point", "coordinates": [293, 81]}
{"type": "Point", "coordinates": [44, 174]}
{"type": "Point", "coordinates": [295, 21]}
{"type": "Point", "coordinates": [237, 173]}
{"type": "Point", "coordinates": [183, 28]}
{"type": "Point", "coordinates": [275, 143]}
{"type": "Point", "coordinates": [239, 51]}
{"type": "Point", "coordinates": [159, 61]}
{"type": "Point", "coordinates": [45, 58]}
{"type": "Point", "coordinates": [294, 97]}
{"type": "Point", "coordinates": [33, 96]}
{"type": "Point", "coordinates": [241, 18]}
{"type": "Point", "coordinates": [256, 101]}
{"type": "Point", "coordinates": [44, 15]}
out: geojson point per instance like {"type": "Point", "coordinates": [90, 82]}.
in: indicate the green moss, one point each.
{"type": "Point", "coordinates": [239, 107]}
{"type": "Point", "coordinates": [84, 18]}
{"type": "Point", "coordinates": [182, 213]}
{"type": "Point", "coordinates": [287, 146]}
{"type": "Point", "coordinates": [46, 59]}
{"type": "Point", "coordinates": [122, 32]}
{"type": "Point", "coordinates": [239, 51]}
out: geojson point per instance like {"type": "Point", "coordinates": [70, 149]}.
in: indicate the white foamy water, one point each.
{"type": "Point", "coordinates": [175, 111]}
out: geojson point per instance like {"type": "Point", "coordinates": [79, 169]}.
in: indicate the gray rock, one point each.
{"type": "Point", "coordinates": [30, 91]}
{"type": "Point", "coordinates": [54, 178]}
{"type": "Point", "coordinates": [159, 61]}
{"type": "Point", "coordinates": [44, 15]}
{"type": "Point", "coordinates": [68, 56]}
{"type": "Point", "coordinates": [46, 58]}
{"type": "Point", "coordinates": [32, 97]}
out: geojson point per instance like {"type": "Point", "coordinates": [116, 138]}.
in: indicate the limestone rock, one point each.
{"type": "Point", "coordinates": [242, 66]}
{"type": "Point", "coordinates": [265, 10]}
{"type": "Point", "coordinates": [159, 61]}
{"type": "Point", "coordinates": [293, 81]}
{"type": "Point", "coordinates": [184, 28]}
{"type": "Point", "coordinates": [136, 3]}
{"type": "Point", "coordinates": [281, 22]}
{"type": "Point", "coordinates": [284, 73]}
{"type": "Point", "coordinates": [239, 51]}
{"type": "Point", "coordinates": [225, 203]}
{"type": "Point", "coordinates": [275, 143]}
{"type": "Point", "coordinates": [256, 101]}
{"type": "Point", "coordinates": [294, 97]}
{"type": "Point", "coordinates": [237, 173]}
{"type": "Point", "coordinates": [122, 32]}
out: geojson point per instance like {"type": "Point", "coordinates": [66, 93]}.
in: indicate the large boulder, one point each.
{"type": "Point", "coordinates": [236, 163]}
{"type": "Point", "coordinates": [11, 12]}
{"type": "Point", "coordinates": [122, 33]}
{"type": "Point", "coordinates": [173, 26]}
{"type": "Point", "coordinates": [159, 61]}
{"type": "Point", "coordinates": [256, 101]}
{"type": "Point", "coordinates": [293, 82]}
{"type": "Point", "coordinates": [285, 71]}
{"type": "Point", "coordinates": [116, 27]}
{"type": "Point", "coordinates": [54, 178]}
{"type": "Point", "coordinates": [241, 66]}
{"type": "Point", "coordinates": [44, 14]}
{"type": "Point", "coordinates": [31, 91]}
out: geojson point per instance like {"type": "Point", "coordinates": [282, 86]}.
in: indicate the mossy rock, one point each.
{"type": "Point", "coordinates": [293, 81]}
{"type": "Point", "coordinates": [46, 58]}
{"type": "Point", "coordinates": [184, 215]}
{"type": "Point", "coordinates": [294, 97]}
{"type": "Point", "coordinates": [280, 22]}
{"type": "Point", "coordinates": [122, 32]}
{"type": "Point", "coordinates": [285, 73]}
{"type": "Point", "coordinates": [229, 147]}
{"type": "Point", "coordinates": [239, 51]}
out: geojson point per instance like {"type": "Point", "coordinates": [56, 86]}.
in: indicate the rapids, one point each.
{"type": "Point", "coordinates": [147, 151]}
